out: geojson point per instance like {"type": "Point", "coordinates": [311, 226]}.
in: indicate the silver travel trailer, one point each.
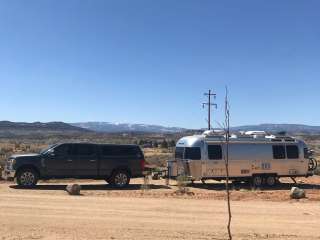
{"type": "Point", "coordinates": [253, 156]}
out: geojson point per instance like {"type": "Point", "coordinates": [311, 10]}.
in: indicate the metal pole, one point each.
{"type": "Point", "coordinates": [209, 104]}
{"type": "Point", "coordinates": [209, 111]}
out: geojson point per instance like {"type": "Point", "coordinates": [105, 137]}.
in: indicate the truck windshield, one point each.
{"type": "Point", "coordinates": [44, 151]}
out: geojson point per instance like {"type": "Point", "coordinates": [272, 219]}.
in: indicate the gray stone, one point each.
{"type": "Point", "coordinates": [297, 193]}
{"type": "Point", "coordinates": [73, 189]}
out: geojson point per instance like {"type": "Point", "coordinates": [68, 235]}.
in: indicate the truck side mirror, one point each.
{"type": "Point", "coordinates": [51, 153]}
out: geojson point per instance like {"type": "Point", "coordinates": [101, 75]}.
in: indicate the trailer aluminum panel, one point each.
{"type": "Point", "coordinates": [203, 157]}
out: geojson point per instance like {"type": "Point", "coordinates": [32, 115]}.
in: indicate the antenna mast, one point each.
{"type": "Point", "coordinates": [209, 104]}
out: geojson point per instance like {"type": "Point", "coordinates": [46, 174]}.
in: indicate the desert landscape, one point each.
{"type": "Point", "coordinates": [48, 212]}
{"type": "Point", "coordinates": [150, 100]}
{"type": "Point", "coordinates": [150, 208]}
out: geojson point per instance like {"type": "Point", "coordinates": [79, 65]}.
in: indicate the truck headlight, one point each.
{"type": "Point", "coordinates": [10, 163]}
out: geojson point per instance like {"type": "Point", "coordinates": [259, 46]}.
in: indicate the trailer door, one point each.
{"type": "Point", "coordinates": [297, 165]}
{"type": "Point", "coordinates": [213, 165]}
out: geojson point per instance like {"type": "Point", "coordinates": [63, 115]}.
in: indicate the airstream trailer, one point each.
{"type": "Point", "coordinates": [253, 156]}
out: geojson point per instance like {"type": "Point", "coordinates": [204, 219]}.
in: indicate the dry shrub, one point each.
{"type": "Point", "coordinates": [146, 182]}
{"type": "Point", "coordinates": [182, 183]}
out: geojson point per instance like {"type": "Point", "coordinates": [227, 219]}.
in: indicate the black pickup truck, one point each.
{"type": "Point", "coordinates": [114, 163]}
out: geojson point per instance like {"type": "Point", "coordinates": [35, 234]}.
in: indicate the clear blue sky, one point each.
{"type": "Point", "coordinates": [150, 61]}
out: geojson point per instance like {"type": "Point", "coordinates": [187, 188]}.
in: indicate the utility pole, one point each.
{"type": "Point", "coordinates": [226, 158]}
{"type": "Point", "coordinates": [209, 104]}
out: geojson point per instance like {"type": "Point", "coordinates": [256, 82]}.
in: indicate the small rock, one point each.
{"type": "Point", "coordinates": [297, 193]}
{"type": "Point", "coordinates": [73, 189]}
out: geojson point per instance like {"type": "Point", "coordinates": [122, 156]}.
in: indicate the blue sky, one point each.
{"type": "Point", "coordinates": [151, 61]}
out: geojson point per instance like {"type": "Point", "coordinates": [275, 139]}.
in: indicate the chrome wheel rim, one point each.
{"type": "Point", "coordinates": [121, 179]}
{"type": "Point", "coordinates": [257, 181]}
{"type": "Point", "coordinates": [271, 181]}
{"type": "Point", "coordinates": [27, 178]}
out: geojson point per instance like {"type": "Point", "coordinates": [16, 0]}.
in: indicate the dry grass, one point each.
{"type": "Point", "coordinates": [158, 156]}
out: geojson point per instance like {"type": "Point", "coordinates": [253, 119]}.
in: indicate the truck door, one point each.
{"type": "Point", "coordinates": [59, 162]}
{"type": "Point", "coordinates": [86, 159]}
{"type": "Point", "coordinates": [213, 166]}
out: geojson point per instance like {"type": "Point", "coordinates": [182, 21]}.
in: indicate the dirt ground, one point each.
{"type": "Point", "coordinates": [48, 212]}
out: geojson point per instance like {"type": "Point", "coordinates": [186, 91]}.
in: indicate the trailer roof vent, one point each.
{"type": "Point", "coordinates": [256, 133]}
{"type": "Point", "coordinates": [276, 140]}
{"type": "Point", "coordinates": [215, 132]}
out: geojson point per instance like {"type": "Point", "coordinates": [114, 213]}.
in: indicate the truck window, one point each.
{"type": "Point", "coordinates": [83, 149]}
{"type": "Point", "coordinates": [119, 151]}
{"type": "Point", "coordinates": [192, 153]}
{"type": "Point", "coordinates": [279, 152]}
{"type": "Point", "coordinates": [215, 152]}
{"type": "Point", "coordinates": [179, 152]}
{"type": "Point", "coordinates": [63, 149]}
{"type": "Point", "coordinates": [292, 152]}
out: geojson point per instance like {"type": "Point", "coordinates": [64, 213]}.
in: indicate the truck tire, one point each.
{"type": "Point", "coordinates": [271, 180]}
{"type": "Point", "coordinates": [119, 179]}
{"type": "Point", "coordinates": [27, 177]}
{"type": "Point", "coordinates": [257, 181]}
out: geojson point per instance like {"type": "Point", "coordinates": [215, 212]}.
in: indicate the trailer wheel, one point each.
{"type": "Point", "coordinates": [271, 180]}
{"type": "Point", "coordinates": [257, 181]}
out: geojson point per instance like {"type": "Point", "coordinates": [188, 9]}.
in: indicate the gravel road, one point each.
{"type": "Point", "coordinates": [49, 213]}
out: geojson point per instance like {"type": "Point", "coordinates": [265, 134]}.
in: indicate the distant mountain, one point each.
{"type": "Point", "coordinates": [13, 129]}
{"type": "Point", "coordinates": [37, 128]}
{"type": "Point", "coordinates": [289, 128]}
{"type": "Point", "coordinates": [108, 127]}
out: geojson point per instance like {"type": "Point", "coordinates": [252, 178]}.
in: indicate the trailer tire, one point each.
{"type": "Point", "coordinates": [257, 181]}
{"type": "Point", "coordinates": [271, 180]}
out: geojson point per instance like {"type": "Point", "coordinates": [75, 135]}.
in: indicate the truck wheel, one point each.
{"type": "Point", "coordinates": [27, 177]}
{"type": "Point", "coordinates": [257, 181]}
{"type": "Point", "coordinates": [271, 181]}
{"type": "Point", "coordinates": [120, 179]}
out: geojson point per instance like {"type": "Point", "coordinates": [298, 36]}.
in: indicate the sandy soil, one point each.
{"type": "Point", "coordinates": [48, 212]}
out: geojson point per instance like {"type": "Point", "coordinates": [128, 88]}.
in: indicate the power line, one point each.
{"type": "Point", "coordinates": [209, 104]}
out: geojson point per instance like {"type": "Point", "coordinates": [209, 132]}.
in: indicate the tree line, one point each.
{"type": "Point", "coordinates": [155, 143]}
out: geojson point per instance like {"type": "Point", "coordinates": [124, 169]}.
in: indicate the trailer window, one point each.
{"type": "Point", "coordinates": [179, 152]}
{"type": "Point", "coordinates": [292, 152]}
{"type": "Point", "coordinates": [279, 152]}
{"type": "Point", "coordinates": [215, 152]}
{"type": "Point", "coordinates": [192, 153]}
